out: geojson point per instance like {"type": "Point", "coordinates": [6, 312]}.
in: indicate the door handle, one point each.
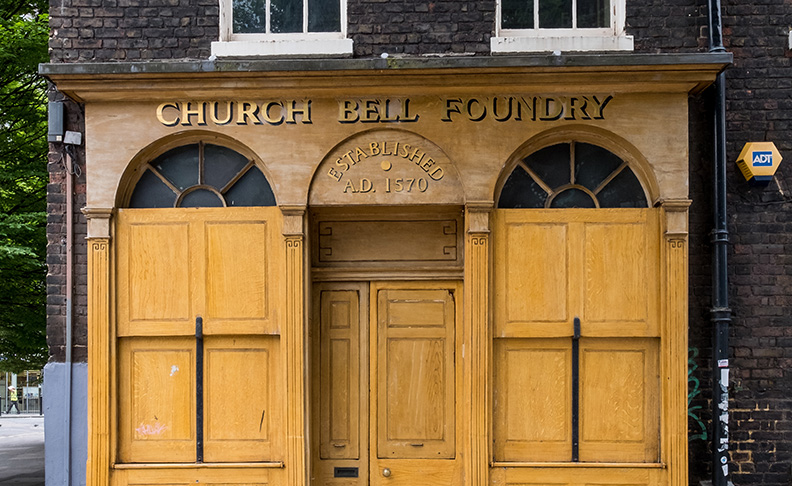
{"type": "Point", "coordinates": [417, 444]}
{"type": "Point", "coordinates": [386, 472]}
{"type": "Point", "coordinates": [339, 445]}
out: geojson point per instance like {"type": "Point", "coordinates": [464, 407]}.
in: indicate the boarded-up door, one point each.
{"type": "Point", "coordinates": [585, 396]}
{"type": "Point", "coordinates": [175, 266]}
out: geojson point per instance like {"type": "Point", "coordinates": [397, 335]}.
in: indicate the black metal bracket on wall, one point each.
{"type": "Point", "coordinates": [576, 391]}
{"type": "Point", "coordinates": [199, 399]}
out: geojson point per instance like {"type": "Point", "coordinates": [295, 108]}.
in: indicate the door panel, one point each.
{"type": "Point", "coordinates": [537, 280]}
{"type": "Point", "coordinates": [237, 277]}
{"type": "Point", "coordinates": [619, 400]}
{"type": "Point", "coordinates": [241, 416]}
{"type": "Point", "coordinates": [339, 357]}
{"type": "Point", "coordinates": [155, 278]}
{"type": "Point", "coordinates": [340, 384]}
{"type": "Point", "coordinates": [617, 279]}
{"type": "Point", "coordinates": [415, 379]}
{"type": "Point", "coordinates": [157, 381]}
{"type": "Point", "coordinates": [532, 390]}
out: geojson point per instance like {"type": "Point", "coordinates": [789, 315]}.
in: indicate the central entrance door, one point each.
{"type": "Point", "coordinates": [384, 383]}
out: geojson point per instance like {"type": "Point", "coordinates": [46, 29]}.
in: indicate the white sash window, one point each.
{"type": "Point", "coordinates": [282, 28]}
{"type": "Point", "coordinates": [560, 25]}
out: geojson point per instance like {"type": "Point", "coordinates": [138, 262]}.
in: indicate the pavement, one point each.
{"type": "Point", "coordinates": [21, 450]}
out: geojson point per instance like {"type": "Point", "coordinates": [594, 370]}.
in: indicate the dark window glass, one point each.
{"type": "Point", "coordinates": [551, 164]}
{"type": "Point", "coordinates": [517, 14]}
{"type": "Point", "coordinates": [221, 165]}
{"type": "Point", "coordinates": [601, 179]}
{"type": "Point", "coordinates": [286, 16]}
{"type": "Point", "coordinates": [593, 164]}
{"type": "Point", "coordinates": [201, 198]}
{"type": "Point", "coordinates": [252, 189]}
{"type": "Point", "coordinates": [223, 170]}
{"type": "Point", "coordinates": [324, 16]}
{"type": "Point", "coordinates": [593, 13]}
{"type": "Point", "coordinates": [555, 14]}
{"type": "Point", "coordinates": [624, 191]}
{"type": "Point", "coordinates": [151, 192]}
{"type": "Point", "coordinates": [179, 166]}
{"type": "Point", "coordinates": [572, 198]}
{"type": "Point", "coordinates": [250, 16]}
{"type": "Point", "coordinates": [521, 191]}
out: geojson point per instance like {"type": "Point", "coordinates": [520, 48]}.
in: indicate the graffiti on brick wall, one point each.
{"type": "Point", "coordinates": [694, 389]}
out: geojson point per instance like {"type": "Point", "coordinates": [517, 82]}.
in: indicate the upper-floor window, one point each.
{"type": "Point", "coordinates": [285, 16]}
{"type": "Point", "coordinates": [282, 28]}
{"type": "Point", "coordinates": [560, 25]}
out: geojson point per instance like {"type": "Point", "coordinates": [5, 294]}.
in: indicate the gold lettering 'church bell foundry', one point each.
{"type": "Point", "coordinates": [425, 275]}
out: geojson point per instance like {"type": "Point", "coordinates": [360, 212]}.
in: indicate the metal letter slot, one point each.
{"type": "Point", "coordinates": [345, 472]}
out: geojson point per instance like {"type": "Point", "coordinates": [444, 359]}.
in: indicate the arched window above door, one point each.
{"type": "Point", "coordinates": [572, 175]}
{"type": "Point", "coordinates": [201, 175]}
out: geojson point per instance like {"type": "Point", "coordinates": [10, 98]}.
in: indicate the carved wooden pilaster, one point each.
{"type": "Point", "coordinates": [99, 336]}
{"type": "Point", "coordinates": [675, 338]}
{"type": "Point", "coordinates": [477, 266]}
{"type": "Point", "coordinates": [293, 231]}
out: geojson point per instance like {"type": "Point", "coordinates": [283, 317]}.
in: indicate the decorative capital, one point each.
{"type": "Point", "coordinates": [99, 244]}
{"type": "Point", "coordinates": [676, 242]}
{"type": "Point", "coordinates": [676, 223]}
{"type": "Point", "coordinates": [98, 222]}
{"type": "Point", "coordinates": [294, 241]}
{"type": "Point", "coordinates": [293, 220]}
{"type": "Point", "coordinates": [479, 240]}
{"type": "Point", "coordinates": [477, 216]}
{"type": "Point", "coordinates": [675, 205]}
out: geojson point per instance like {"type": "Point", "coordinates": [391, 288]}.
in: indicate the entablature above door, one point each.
{"type": "Point", "coordinates": [387, 243]}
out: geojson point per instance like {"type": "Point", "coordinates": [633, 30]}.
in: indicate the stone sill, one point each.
{"type": "Point", "coordinates": [283, 48]}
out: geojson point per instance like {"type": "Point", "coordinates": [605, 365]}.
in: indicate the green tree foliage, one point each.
{"type": "Point", "coordinates": [23, 185]}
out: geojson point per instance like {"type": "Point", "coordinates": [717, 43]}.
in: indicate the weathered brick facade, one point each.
{"type": "Point", "coordinates": [759, 108]}
{"type": "Point", "coordinates": [56, 247]}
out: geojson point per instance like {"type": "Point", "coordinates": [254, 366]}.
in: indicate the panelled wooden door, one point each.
{"type": "Point", "coordinates": [384, 392]}
{"type": "Point", "coordinates": [175, 265]}
{"type": "Point", "coordinates": [601, 267]}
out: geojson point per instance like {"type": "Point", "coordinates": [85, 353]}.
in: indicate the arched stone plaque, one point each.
{"type": "Point", "coordinates": [386, 167]}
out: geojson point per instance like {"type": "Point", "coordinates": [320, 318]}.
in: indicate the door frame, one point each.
{"type": "Point", "coordinates": [370, 467]}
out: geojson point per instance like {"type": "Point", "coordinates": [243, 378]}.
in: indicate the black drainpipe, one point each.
{"type": "Point", "coordinates": [719, 312]}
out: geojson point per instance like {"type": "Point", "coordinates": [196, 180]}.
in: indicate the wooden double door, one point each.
{"type": "Point", "coordinates": [384, 376]}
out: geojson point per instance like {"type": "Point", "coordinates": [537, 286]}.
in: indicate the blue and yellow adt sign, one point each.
{"type": "Point", "coordinates": [758, 161]}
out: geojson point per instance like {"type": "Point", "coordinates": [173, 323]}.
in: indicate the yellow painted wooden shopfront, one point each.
{"type": "Point", "coordinates": [425, 276]}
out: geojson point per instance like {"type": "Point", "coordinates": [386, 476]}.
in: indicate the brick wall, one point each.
{"type": "Point", "coordinates": [56, 248]}
{"type": "Point", "coordinates": [759, 108]}
{"type": "Point", "coordinates": [135, 30]}
{"type": "Point", "coordinates": [421, 27]}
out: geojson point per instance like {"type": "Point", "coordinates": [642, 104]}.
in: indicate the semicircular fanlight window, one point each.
{"type": "Point", "coordinates": [201, 175]}
{"type": "Point", "coordinates": [572, 175]}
